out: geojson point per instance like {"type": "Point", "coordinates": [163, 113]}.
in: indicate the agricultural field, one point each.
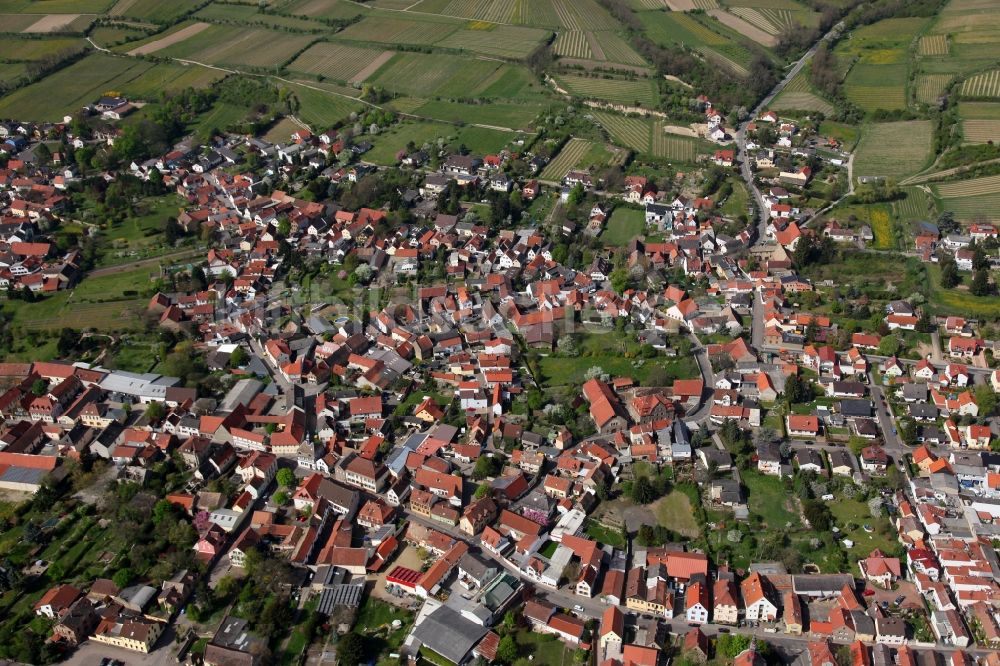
{"type": "Point", "coordinates": [514, 116]}
{"type": "Point", "coordinates": [634, 133]}
{"type": "Point", "coordinates": [155, 11]}
{"type": "Point", "coordinates": [971, 199]}
{"type": "Point", "coordinates": [617, 50]}
{"type": "Point", "coordinates": [82, 82]}
{"type": "Point", "coordinates": [915, 205]}
{"type": "Point", "coordinates": [750, 24]}
{"type": "Point", "coordinates": [29, 50]}
{"type": "Point", "coordinates": [251, 14]}
{"type": "Point", "coordinates": [878, 79]}
{"type": "Point", "coordinates": [799, 95]}
{"type": "Point", "coordinates": [324, 9]}
{"type": "Point", "coordinates": [322, 109]}
{"type": "Point", "coordinates": [716, 42]}
{"type": "Point", "coordinates": [985, 85]}
{"type": "Point", "coordinates": [893, 150]}
{"type": "Point", "coordinates": [16, 22]}
{"type": "Point", "coordinates": [496, 11]}
{"type": "Point", "coordinates": [931, 86]}
{"type": "Point", "coordinates": [505, 41]}
{"type": "Point", "coordinates": [874, 87]}
{"type": "Point", "coordinates": [649, 136]}
{"type": "Point", "coordinates": [641, 92]}
{"type": "Point", "coordinates": [108, 35]}
{"type": "Point", "coordinates": [430, 75]}
{"type": "Point", "coordinates": [979, 110]}
{"type": "Point", "coordinates": [341, 62]}
{"type": "Point", "coordinates": [239, 46]}
{"type": "Point", "coordinates": [980, 131]}
{"type": "Point", "coordinates": [476, 139]}
{"type": "Point", "coordinates": [676, 148]}
{"type": "Point", "coordinates": [573, 45]}
{"type": "Point", "coordinates": [55, 6]}
{"type": "Point", "coordinates": [933, 45]}
{"type": "Point", "coordinates": [400, 29]}
{"type": "Point", "coordinates": [566, 160]}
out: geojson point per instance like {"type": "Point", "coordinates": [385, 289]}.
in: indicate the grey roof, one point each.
{"type": "Point", "coordinates": [242, 393]}
{"type": "Point", "coordinates": [340, 595]}
{"type": "Point", "coordinates": [821, 583]}
{"type": "Point", "coordinates": [146, 385]}
{"type": "Point", "coordinates": [856, 407]}
{"type": "Point", "coordinates": [25, 475]}
{"type": "Point", "coordinates": [449, 634]}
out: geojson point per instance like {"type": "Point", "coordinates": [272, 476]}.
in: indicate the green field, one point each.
{"type": "Point", "coordinates": [570, 155]}
{"type": "Point", "coordinates": [958, 301]}
{"type": "Point", "coordinates": [726, 47]}
{"type": "Point", "coordinates": [237, 45]}
{"type": "Point", "coordinates": [971, 199]}
{"type": "Point", "coordinates": [504, 41]}
{"type": "Point", "coordinates": [251, 14]}
{"type": "Point", "coordinates": [647, 136]}
{"type": "Point", "coordinates": [325, 9]}
{"type": "Point", "coordinates": [156, 11]}
{"type": "Point", "coordinates": [893, 150]}
{"type": "Point", "coordinates": [341, 62]}
{"type": "Point", "coordinates": [322, 109]}
{"type": "Point", "coordinates": [24, 49]}
{"type": "Point", "coordinates": [768, 498]}
{"type": "Point", "coordinates": [69, 89]}
{"type": "Point", "coordinates": [54, 6]}
{"type": "Point", "coordinates": [397, 28]}
{"type": "Point", "coordinates": [431, 75]}
{"type": "Point", "coordinates": [514, 116]}
{"type": "Point", "coordinates": [799, 95]}
{"type": "Point", "coordinates": [641, 92]}
{"type": "Point", "coordinates": [624, 225]}
{"type": "Point", "coordinates": [477, 139]}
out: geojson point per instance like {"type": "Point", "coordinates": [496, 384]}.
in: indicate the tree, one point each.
{"type": "Point", "coordinates": [280, 498]}
{"type": "Point", "coordinates": [39, 387]}
{"type": "Point", "coordinates": [482, 491]}
{"type": "Point", "coordinates": [122, 577]}
{"type": "Point", "coordinates": [619, 280]}
{"type": "Point", "coordinates": [818, 515]}
{"type": "Point", "coordinates": [731, 645]}
{"type": "Point", "coordinates": [285, 477]}
{"type": "Point", "coordinates": [980, 283]}
{"type": "Point", "coordinates": [889, 346]}
{"type": "Point", "coordinates": [908, 431]}
{"type": "Point", "coordinates": [507, 650]}
{"type": "Point", "coordinates": [949, 274]}
{"type": "Point", "coordinates": [486, 466]}
{"type": "Point", "coordinates": [238, 358]}
{"type": "Point", "coordinates": [155, 411]}
{"type": "Point", "coordinates": [351, 650]}
{"type": "Point", "coordinates": [986, 399]}
{"type": "Point", "coordinates": [643, 491]}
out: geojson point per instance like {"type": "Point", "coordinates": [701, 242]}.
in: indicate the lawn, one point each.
{"type": "Point", "coordinates": [543, 648]}
{"type": "Point", "coordinates": [560, 371]}
{"type": "Point", "coordinates": [958, 301]}
{"type": "Point", "coordinates": [624, 225]}
{"type": "Point", "coordinates": [849, 511]}
{"type": "Point", "coordinates": [514, 116]}
{"type": "Point", "coordinates": [768, 498]}
{"type": "Point", "coordinates": [737, 202]}
{"type": "Point", "coordinates": [604, 534]}
{"type": "Point", "coordinates": [674, 512]}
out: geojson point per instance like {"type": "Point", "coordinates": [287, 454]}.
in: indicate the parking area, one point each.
{"type": "Point", "coordinates": [91, 653]}
{"type": "Point", "coordinates": [908, 591]}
